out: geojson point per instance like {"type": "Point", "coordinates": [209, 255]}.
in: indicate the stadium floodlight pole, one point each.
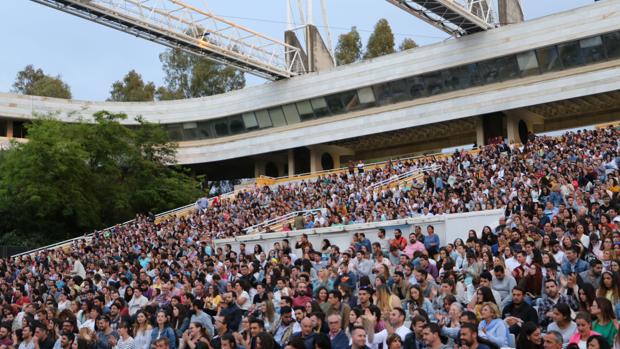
{"type": "Point", "coordinates": [178, 25]}
{"type": "Point", "coordinates": [455, 17]}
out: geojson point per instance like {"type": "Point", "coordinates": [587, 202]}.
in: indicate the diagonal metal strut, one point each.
{"type": "Point", "coordinates": [178, 25]}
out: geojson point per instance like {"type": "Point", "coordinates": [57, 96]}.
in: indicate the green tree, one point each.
{"type": "Point", "coordinates": [349, 47]}
{"type": "Point", "coordinates": [407, 44]}
{"type": "Point", "coordinates": [132, 89]}
{"type": "Point", "coordinates": [35, 82]}
{"type": "Point", "coordinates": [71, 178]}
{"type": "Point", "coordinates": [381, 41]}
{"type": "Point", "coordinates": [190, 76]}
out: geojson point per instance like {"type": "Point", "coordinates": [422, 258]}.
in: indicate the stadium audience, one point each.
{"type": "Point", "coordinates": [165, 284]}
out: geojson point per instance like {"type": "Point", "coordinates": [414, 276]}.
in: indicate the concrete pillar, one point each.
{"type": "Point", "coordinates": [315, 159]}
{"type": "Point", "coordinates": [520, 116]}
{"type": "Point", "coordinates": [259, 168]}
{"type": "Point", "coordinates": [9, 128]}
{"type": "Point", "coordinates": [291, 163]}
{"type": "Point", "coordinates": [479, 131]}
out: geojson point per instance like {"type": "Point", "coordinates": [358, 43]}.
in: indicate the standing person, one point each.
{"type": "Point", "coordinates": [163, 330]}
{"type": "Point", "coordinates": [605, 322]}
{"type": "Point", "coordinates": [125, 341]}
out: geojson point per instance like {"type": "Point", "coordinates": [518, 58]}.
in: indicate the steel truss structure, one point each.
{"type": "Point", "coordinates": [455, 17]}
{"type": "Point", "coordinates": [178, 25]}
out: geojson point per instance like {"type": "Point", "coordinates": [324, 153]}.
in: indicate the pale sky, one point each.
{"type": "Point", "coordinates": [90, 57]}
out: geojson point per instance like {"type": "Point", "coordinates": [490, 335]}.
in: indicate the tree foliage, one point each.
{"type": "Point", "coordinates": [71, 178]}
{"type": "Point", "coordinates": [35, 82]}
{"type": "Point", "coordinates": [190, 76]}
{"type": "Point", "coordinates": [381, 41]}
{"type": "Point", "coordinates": [349, 47]}
{"type": "Point", "coordinates": [407, 44]}
{"type": "Point", "coordinates": [132, 89]}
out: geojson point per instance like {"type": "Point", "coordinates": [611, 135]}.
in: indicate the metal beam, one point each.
{"type": "Point", "coordinates": [181, 26]}
{"type": "Point", "coordinates": [455, 17]}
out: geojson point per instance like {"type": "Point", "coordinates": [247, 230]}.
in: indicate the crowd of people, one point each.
{"type": "Point", "coordinates": [546, 276]}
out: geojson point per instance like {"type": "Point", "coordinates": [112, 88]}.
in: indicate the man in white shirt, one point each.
{"type": "Point", "coordinates": [397, 321]}
{"type": "Point", "coordinates": [137, 301]}
{"type": "Point", "coordinates": [510, 261]}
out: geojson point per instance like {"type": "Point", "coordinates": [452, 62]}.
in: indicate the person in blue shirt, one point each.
{"type": "Point", "coordinates": [572, 263]}
{"type": "Point", "coordinates": [431, 241]}
{"type": "Point", "coordinates": [163, 330]}
{"type": "Point", "coordinates": [338, 338]}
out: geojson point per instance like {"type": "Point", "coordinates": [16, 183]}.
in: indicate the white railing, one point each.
{"type": "Point", "coordinates": [274, 221]}
{"type": "Point", "coordinates": [402, 176]}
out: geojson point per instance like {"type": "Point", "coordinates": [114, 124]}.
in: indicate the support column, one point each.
{"type": "Point", "coordinates": [519, 123]}
{"type": "Point", "coordinates": [315, 160]}
{"type": "Point", "coordinates": [9, 128]}
{"type": "Point", "coordinates": [291, 163]}
{"type": "Point", "coordinates": [259, 168]}
{"type": "Point", "coordinates": [479, 131]}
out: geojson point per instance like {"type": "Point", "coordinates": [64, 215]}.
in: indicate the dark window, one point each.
{"type": "Point", "coordinates": [433, 82]}
{"type": "Point", "coordinates": [507, 67]}
{"type": "Point", "coordinates": [334, 103]}
{"type": "Point", "coordinates": [592, 49]}
{"type": "Point", "coordinates": [190, 131]}
{"type": "Point", "coordinates": [488, 72]}
{"type": "Point", "coordinates": [382, 91]}
{"type": "Point", "coordinates": [3, 127]}
{"type": "Point", "coordinates": [236, 124]}
{"type": "Point", "coordinates": [570, 53]}
{"type": "Point", "coordinates": [548, 59]}
{"type": "Point", "coordinates": [305, 110]}
{"type": "Point", "coordinates": [350, 100]}
{"type": "Point", "coordinates": [19, 129]}
{"type": "Point", "coordinates": [203, 129]}
{"type": "Point", "coordinates": [612, 44]}
{"type": "Point", "coordinates": [175, 131]}
{"type": "Point", "coordinates": [399, 90]}
{"type": "Point", "coordinates": [416, 87]}
{"type": "Point", "coordinates": [221, 127]}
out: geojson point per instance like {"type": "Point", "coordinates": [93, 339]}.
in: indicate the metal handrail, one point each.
{"type": "Point", "coordinates": [402, 176]}
{"type": "Point", "coordinates": [280, 219]}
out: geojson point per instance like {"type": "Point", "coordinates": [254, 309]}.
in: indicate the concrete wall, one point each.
{"type": "Point", "coordinates": [448, 227]}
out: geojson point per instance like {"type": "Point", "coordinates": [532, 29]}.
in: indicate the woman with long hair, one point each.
{"type": "Point", "coordinates": [212, 300]}
{"type": "Point", "coordinates": [385, 300]}
{"type": "Point", "coordinates": [163, 329]}
{"type": "Point", "coordinates": [416, 300]}
{"type": "Point", "coordinates": [268, 314]}
{"type": "Point", "coordinates": [605, 319]}
{"type": "Point", "coordinates": [609, 287]}
{"type": "Point", "coordinates": [321, 297]}
{"type": "Point", "coordinates": [179, 320]}
{"type": "Point", "coordinates": [597, 342]}
{"type": "Point", "coordinates": [265, 340]}
{"type": "Point", "coordinates": [142, 331]}
{"type": "Point", "coordinates": [587, 294]}
{"type": "Point", "coordinates": [532, 281]}
{"type": "Point", "coordinates": [530, 336]}
{"type": "Point", "coordinates": [353, 315]}
{"type": "Point", "coordinates": [483, 295]}
{"type": "Point", "coordinates": [584, 330]}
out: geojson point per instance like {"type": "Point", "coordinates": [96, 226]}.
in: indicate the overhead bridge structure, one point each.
{"type": "Point", "coordinates": [178, 25]}
{"type": "Point", "coordinates": [455, 17]}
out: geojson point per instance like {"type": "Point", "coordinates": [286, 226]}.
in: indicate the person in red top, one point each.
{"type": "Point", "coordinates": [301, 297]}
{"type": "Point", "coordinates": [399, 241]}
{"type": "Point", "coordinates": [20, 299]}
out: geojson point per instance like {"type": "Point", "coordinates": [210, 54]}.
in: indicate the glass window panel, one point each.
{"type": "Point", "coordinates": [507, 68]}
{"type": "Point", "coordinates": [416, 87]}
{"type": "Point", "coordinates": [382, 91]}
{"type": "Point", "coordinates": [221, 127]}
{"type": "Point", "coordinates": [592, 49]}
{"type": "Point", "coordinates": [203, 129]}
{"type": "Point", "coordinates": [263, 119]}
{"type": "Point", "coordinates": [320, 106]}
{"type": "Point", "coordinates": [548, 59]}
{"type": "Point", "coordinates": [350, 100]}
{"type": "Point", "coordinates": [488, 72]}
{"type": "Point", "coordinates": [399, 90]}
{"type": "Point", "coordinates": [570, 53]}
{"type": "Point", "coordinates": [528, 64]}
{"type": "Point", "coordinates": [175, 131]}
{"type": "Point", "coordinates": [189, 125]}
{"type": "Point", "coordinates": [249, 120]}
{"type": "Point", "coordinates": [291, 114]}
{"type": "Point", "coordinates": [366, 95]}
{"type": "Point", "coordinates": [433, 82]}
{"type": "Point", "coordinates": [459, 78]}
{"type": "Point", "coordinates": [236, 124]}
{"type": "Point", "coordinates": [3, 127]}
{"type": "Point", "coordinates": [334, 103]}
{"type": "Point", "coordinates": [612, 44]}
{"type": "Point", "coordinates": [305, 110]}
{"type": "Point", "coordinates": [277, 117]}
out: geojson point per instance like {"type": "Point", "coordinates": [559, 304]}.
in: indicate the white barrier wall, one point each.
{"type": "Point", "coordinates": [448, 227]}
